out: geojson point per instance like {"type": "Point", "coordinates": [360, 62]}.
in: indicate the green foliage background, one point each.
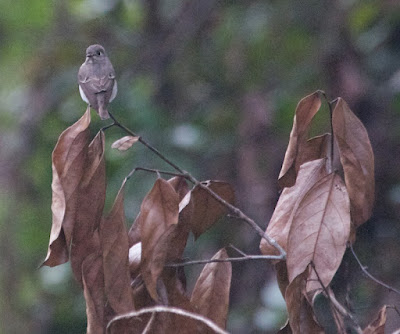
{"type": "Point", "coordinates": [213, 85]}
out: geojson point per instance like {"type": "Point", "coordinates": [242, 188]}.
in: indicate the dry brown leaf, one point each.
{"type": "Point", "coordinates": [281, 221]}
{"type": "Point", "coordinates": [159, 213]}
{"type": "Point", "coordinates": [91, 194]}
{"type": "Point", "coordinates": [134, 232]}
{"type": "Point", "coordinates": [124, 143]}
{"type": "Point", "coordinates": [68, 159]}
{"type": "Point", "coordinates": [282, 276]}
{"type": "Point", "coordinates": [206, 209]}
{"type": "Point", "coordinates": [210, 295]}
{"type": "Point", "coordinates": [377, 326]}
{"type": "Point", "coordinates": [357, 159]}
{"type": "Point", "coordinates": [305, 111]}
{"type": "Point", "coordinates": [301, 317]}
{"type": "Point", "coordinates": [93, 289]}
{"type": "Point", "coordinates": [181, 233]}
{"type": "Point", "coordinates": [315, 148]}
{"type": "Point", "coordinates": [114, 239]}
{"type": "Point", "coordinates": [319, 231]}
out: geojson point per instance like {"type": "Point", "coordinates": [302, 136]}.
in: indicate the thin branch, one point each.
{"type": "Point", "coordinates": [237, 250]}
{"type": "Point", "coordinates": [147, 329]}
{"type": "Point", "coordinates": [229, 259]}
{"type": "Point", "coordinates": [364, 269]}
{"type": "Point", "coordinates": [236, 211]}
{"type": "Point", "coordinates": [104, 128]}
{"type": "Point", "coordinates": [395, 308]}
{"type": "Point", "coordinates": [156, 171]}
{"type": "Point", "coordinates": [154, 150]}
{"type": "Point", "coordinates": [159, 309]}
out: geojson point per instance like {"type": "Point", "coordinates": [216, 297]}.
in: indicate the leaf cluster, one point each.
{"type": "Point", "coordinates": [122, 270]}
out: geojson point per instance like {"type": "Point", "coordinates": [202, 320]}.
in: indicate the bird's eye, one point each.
{"type": "Point", "coordinates": [98, 53]}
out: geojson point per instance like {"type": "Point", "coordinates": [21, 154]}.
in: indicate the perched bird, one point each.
{"type": "Point", "coordinates": [96, 79]}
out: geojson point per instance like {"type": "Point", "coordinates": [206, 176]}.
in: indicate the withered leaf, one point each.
{"type": "Point", "coordinates": [315, 148]}
{"type": "Point", "coordinates": [357, 159]}
{"type": "Point", "coordinates": [114, 238]}
{"type": "Point", "coordinates": [210, 296]}
{"type": "Point", "coordinates": [282, 276]}
{"type": "Point", "coordinates": [93, 289]}
{"type": "Point", "coordinates": [301, 317]}
{"type": "Point", "coordinates": [281, 220]}
{"type": "Point", "coordinates": [305, 111]}
{"type": "Point", "coordinates": [377, 326]}
{"type": "Point", "coordinates": [68, 159]}
{"type": "Point", "coordinates": [206, 209]}
{"type": "Point", "coordinates": [124, 143]}
{"type": "Point", "coordinates": [159, 211]}
{"type": "Point", "coordinates": [181, 233]}
{"type": "Point", "coordinates": [91, 194]}
{"type": "Point", "coordinates": [134, 234]}
{"type": "Point", "coordinates": [319, 231]}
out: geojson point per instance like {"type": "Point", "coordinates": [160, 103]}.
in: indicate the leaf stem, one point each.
{"type": "Point", "coordinates": [332, 146]}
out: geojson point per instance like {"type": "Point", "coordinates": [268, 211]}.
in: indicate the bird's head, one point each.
{"type": "Point", "coordinates": [95, 53]}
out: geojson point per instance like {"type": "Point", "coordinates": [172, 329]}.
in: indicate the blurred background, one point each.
{"type": "Point", "coordinates": [213, 85]}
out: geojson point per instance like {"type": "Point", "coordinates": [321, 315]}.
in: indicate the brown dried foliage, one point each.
{"type": "Point", "coordinates": [316, 211]}
{"type": "Point", "coordinates": [123, 272]}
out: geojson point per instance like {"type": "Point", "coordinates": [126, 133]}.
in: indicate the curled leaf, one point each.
{"type": "Point", "coordinates": [357, 159]}
{"type": "Point", "coordinates": [377, 326]}
{"type": "Point", "coordinates": [91, 194]}
{"type": "Point", "coordinates": [206, 209]}
{"type": "Point", "coordinates": [159, 217]}
{"type": "Point", "coordinates": [124, 143]}
{"type": "Point", "coordinates": [301, 317]}
{"type": "Point", "coordinates": [305, 111]}
{"type": "Point", "coordinates": [210, 295]}
{"type": "Point", "coordinates": [68, 160]}
{"type": "Point", "coordinates": [115, 247]}
{"type": "Point", "coordinates": [93, 289]}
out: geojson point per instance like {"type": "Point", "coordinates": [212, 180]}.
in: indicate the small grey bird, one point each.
{"type": "Point", "coordinates": [96, 79]}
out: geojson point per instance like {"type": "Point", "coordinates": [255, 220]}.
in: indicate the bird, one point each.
{"type": "Point", "coordinates": [96, 79]}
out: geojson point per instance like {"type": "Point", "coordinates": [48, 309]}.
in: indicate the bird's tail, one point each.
{"type": "Point", "coordinates": [103, 112]}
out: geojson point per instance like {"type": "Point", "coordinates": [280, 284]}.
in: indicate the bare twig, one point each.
{"type": "Point", "coordinates": [237, 250]}
{"type": "Point", "coordinates": [236, 211]}
{"type": "Point", "coordinates": [147, 329]}
{"type": "Point", "coordinates": [159, 309]}
{"type": "Point", "coordinates": [156, 171]}
{"type": "Point", "coordinates": [229, 259]}
{"type": "Point", "coordinates": [364, 270]}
